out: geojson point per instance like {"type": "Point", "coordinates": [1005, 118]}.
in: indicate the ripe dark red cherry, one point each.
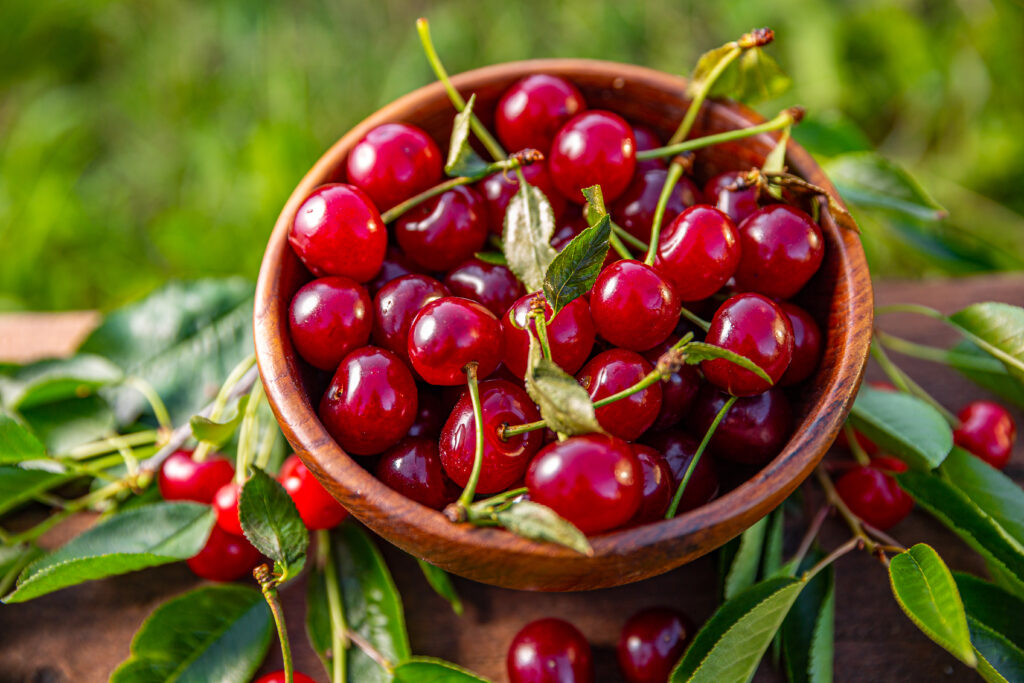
{"type": "Point", "coordinates": [533, 109]}
{"type": "Point", "coordinates": [873, 495]}
{"type": "Point", "coordinates": [371, 401]}
{"type": "Point", "coordinates": [550, 651]}
{"type": "Point", "coordinates": [395, 306]}
{"type": "Point", "coordinates": [612, 371]}
{"type": "Point", "coordinates": [807, 345]}
{"type": "Point", "coordinates": [225, 505]}
{"type": "Point", "coordinates": [737, 204]}
{"type": "Point", "coordinates": [430, 414]}
{"type": "Point", "coordinates": [634, 210]}
{"type": "Point", "coordinates": [678, 449]}
{"type": "Point", "coordinates": [338, 231]}
{"type": "Point", "coordinates": [413, 468]}
{"type": "Point", "coordinates": [329, 317]}
{"type": "Point", "coordinates": [986, 430]}
{"type": "Point", "coordinates": [781, 247]}
{"type": "Point", "coordinates": [396, 264]}
{"type": "Point", "coordinates": [444, 231]}
{"type": "Point", "coordinates": [225, 557]}
{"type": "Point", "coordinates": [570, 334]}
{"type": "Point", "coordinates": [593, 148]}
{"type": "Point", "coordinates": [754, 327]}
{"type": "Point", "coordinates": [449, 333]}
{"type": "Point", "coordinates": [651, 644]}
{"type": "Point", "coordinates": [492, 285]}
{"type": "Point", "coordinates": [678, 392]}
{"type": "Point", "coordinates": [633, 306]}
{"type": "Point", "coordinates": [658, 485]}
{"type": "Point", "coordinates": [504, 460]}
{"type": "Point", "coordinates": [394, 162]}
{"type": "Point", "coordinates": [317, 508]}
{"type": "Point", "coordinates": [279, 677]}
{"type": "Point", "coordinates": [753, 431]}
{"type": "Point", "coordinates": [182, 478]}
{"type": "Point", "coordinates": [698, 252]}
{"type": "Point", "coordinates": [497, 190]}
{"type": "Point", "coordinates": [647, 139]}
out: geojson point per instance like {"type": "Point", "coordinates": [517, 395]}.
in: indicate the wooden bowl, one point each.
{"type": "Point", "coordinates": [839, 296]}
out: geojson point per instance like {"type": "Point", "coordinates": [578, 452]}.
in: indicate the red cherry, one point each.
{"type": "Point", "coordinates": [986, 430]}
{"type": "Point", "coordinates": [754, 429]}
{"type": "Point", "coordinates": [609, 373]}
{"type": "Point", "coordinates": [594, 481]}
{"type": "Point", "coordinates": [430, 414]}
{"type": "Point", "coordinates": [533, 109]}
{"type": "Point", "coordinates": [550, 651]}
{"type": "Point", "coordinates": [396, 264]}
{"type": "Point", "coordinates": [647, 139]}
{"type": "Point", "coordinates": [658, 485]}
{"type": "Point", "coordinates": [633, 306]}
{"type": "Point", "coordinates": [651, 644]}
{"type": "Point", "coordinates": [678, 392]}
{"type": "Point", "coordinates": [449, 333]}
{"type": "Point", "coordinates": [570, 334]}
{"type": "Point", "coordinates": [873, 495]}
{"type": "Point", "coordinates": [807, 345]}
{"type": "Point", "coordinates": [504, 461]}
{"type": "Point", "coordinates": [225, 505]}
{"type": "Point", "coordinates": [279, 677]}
{"type": "Point", "coordinates": [442, 232]}
{"type": "Point", "coordinates": [737, 204]}
{"type": "Point", "coordinates": [497, 190]}
{"type": "Point", "coordinates": [394, 162]}
{"type": "Point", "coordinates": [678, 449]}
{"type": "Point", "coordinates": [338, 231]}
{"type": "Point", "coordinates": [698, 252]}
{"type": "Point", "coordinates": [395, 306]}
{"type": "Point", "coordinates": [593, 148]}
{"type": "Point", "coordinates": [225, 557]}
{"type": "Point", "coordinates": [781, 247]}
{"type": "Point", "coordinates": [371, 401]}
{"type": "Point", "coordinates": [329, 317]}
{"type": "Point", "coordinates": [492, 285]}
{"type": "Point", "coordinates": [182, 478]}
{"type": "Point", "coordinates": [754, 327]}
{"type": "Point", "coordinates": [317, 508]}
{"type": "Point", "coordinates": [413, 468]}
{"type": "Point", "coordinates": [634, 210]}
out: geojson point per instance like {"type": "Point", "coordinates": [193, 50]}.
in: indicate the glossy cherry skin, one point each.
{"type": "Point", "coordinates": [279, 677]}
{"type": "Point", "coordinates": [395, 306]}
{"type": "Point", "coordinates": [753, 431]}
{"type": "Point", "coordinates": [593, 148]}
{"type": "Point", "coordinates": [612, 371]}
{"type": "Point", "coordinates": [647, 139]}
{"type": "Point", "coordinates": [781, 247]}
{"type": "Point", "coordinates": [651, 644]}
{"type": "Point", "coordinates": [530, 112]}
{"type": "Point", "coordinates": [634, 210]}
{"type": "Point", "coordinates": [658, 485]}
{"type": "Point", "coordinates": [444, 231]}
{"type": "Point", "coordinates": [329, 317]}
{"type": "Point", "coordinates": [396, 264]}
{"type": "Point", "coordinates": [678, 448]}
{"type": "Point", "coordinates": [497, 190]}
{"type": "Point", "coordinates": [371, 401]}
{"type": "Point", "coordinates": [633, 306]}
{"type": "Point", "coordinates": [570, 334]}
{"type": "Point", "coordinates": [698, 252]}
{"type": "Point", "coordinates": [449, 333]}
{"type": "Point", "coordinates": [594, 481]}
{"type": "Point", "coordinates": [873, 495]}
{"type": "Point", "coordinates": [182, 478]}
{"type": "Point", "coordinates": [808, 343]}
{"type": "Point", "coordinates": [754, 327]}
{"type": "Point", "coordinates": [737, 203]}
{"type": "Point", "coordinates": [430, 414]}
{"type": "Point", "coordinates": [225, 506]}
{"type": "Point", "coordinates": [394, 162]}
{"type": "Point", "coordinates": [678, 392]}
{"type": "Point", "coordinates": [504, 461]}
{"type": "Point", "coordinates": [413, 468]}
{"type": "Point", "coordinates": [317, 508]}
{"type": "Point", "coordinates": [490, 284]}
{"type": "Point", "coordinates": [986, 430]}
{"type": "Point", "coordinates": [225, 557]}
{"type": "Point", "coordinates": [550, 651]}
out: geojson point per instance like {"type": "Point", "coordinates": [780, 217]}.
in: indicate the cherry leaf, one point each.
{"type": "Point", "coordinates": [462, 160]}
{"type": "Point", "coordinates": [996, 632]}
{"type": "Point", "coordinates": [271, 522]}
{"type": "Point", "coordinates": [430, 670]}
{"type": "Point", "coordinates": [753, 77]}
{"type": "Point", "coordinates": [540, 523]}
{"type": "Point", "coordinates": [529, 225]}
{"type": "Point", "coordinates": [17, 442]}
{"type": "Point", "coordinates": [743, 569]}
{"type": "Point", "coordinates": [997, 328]}
{"type": "Point", "coordinates": [997, 495]}
{"type": "Point", "coordinates": [442, 584]}
{"type": "Point", "coordinates": [563, 403]}
{"type": "Point", "coordinates": [495, 258]}
{"type": "Point", "coordinates": [218, 433]}
{"type": "Point", "coordinates": [904, 426]}
{"type": "Point", "coordinates": [868, 179]}
{"type": "Point", "coordinates": [707, 65]}
{"type": "Point", "coordinates": [697, 352]}
{"type": "Point", "coordinates": [574, 271]}
{"type": "Point", "coordinates": [808, 632]}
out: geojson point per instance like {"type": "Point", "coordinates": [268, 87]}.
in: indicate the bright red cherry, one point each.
{"type": "Point", "coordinates": [444, 231]}
{"type": "Point", "coordinates": [781, 247]}
{"type": "Point", "coordinates": [396, 304]}
{"type": "Point", "coordinates": [651, 644]}
{"type": "Point", "coordinates": [753, 431]}
{"type": "Point", "coordinates": [371, 401]}
{"type": "Point", "coordinates": [225, 557]}
{"type": "Point", "coordinates": [225, 505]}
{"type": "Point", "coordinates": [449, 333]}
{"type": "Point", "coordinates": [698, 252]}
{"type": "Point", "coordinates": [754, 327]}
{"type": "Point", "coordinates": [279, 677]}
{"type": "Point", "coordinates": [678, 392]}
{"type": "Point", "coordinates": [329, 317]}
{"type": "Point", "coordinates": [647, 139]}
{"type": "Point", "coordinates": [633, 306]}
{"type": "Point", "coordinates": [986, 430]}
{"type": "Point", "coordinates": [497, 190]}
{"type": "Point", "coordinates": [396, 264]}
{"type": "Point", "coordinates": [658, 485]}
{"type": "Point", "coordinates": [570, 334]}
{"type": "Point", "coordinates": [430, 414]}
{"type": "Point", "coordinates": [504, 460]}
{"type": "Point", "coordinates": [634, 210]}
{"type": "Point", "coordinates": [338, 231]}
{"type": "Point", "coordinates": [413, 468]}
{"type": "Point", "coordinates": [182, 478]}
{"type": "Point", "coordinates": [612, 371]}
{"type": "Point", "coordinates": [550, 651]}
{"type": "Point", "coordinates": [394, 162]}
{"type": "Point", "coordinates": [678, 448]}
{"type": "Point", "coordinates": [593, 148]}
{"type": "Point", "coordinates": [317, 508]}
{"type": "Point", "coordinates": [594, 481]}
{"type": "Point", "coordinates": [807, 345]}
{"type": "Point", "coordinates": [873, 495]}
{"type": "Point", "coordinates": [533, 109]}
{"type": "Point", "coordinates": [492, 285]}
{"type": "Point", "coordinates": [724, 192]}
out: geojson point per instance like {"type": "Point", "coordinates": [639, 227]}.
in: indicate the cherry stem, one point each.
{"type": "Point", "coordinates": [221, 402]}
{"type": "Point", "coordinates": [619, 247]}
{"type": "Point", "coordinates": [906, 384]}
{"type": "Point", "coordinates": [698, 99]}
{"type": "Point", "coordinates": [675, 172]}
{"type": "Point", "coordinates": [678, 497]}
{"type": "Point", "coordinates": [269, 440]}
{"type": "Point", "coordinates": [268, 585]}
{"type": "Point", "coordinates": [478, 456]}
{"type": "Point", "coordinates": [812, 533]}
{"type": "Point", "coordinates": [629, 238]}
{"type": "Point", "coordinates": [782, 120]}
{"type": "Point", "coordinates": [859, 454]}
{"type": "Point", "coordinates": [247, 434]}
{"type": "Point", "coordinates": [163, 418]}
{"type": "Point", "coordinates": [112, 443]}
{"type": "Point", "coordinates": [71, 507]}
{"type": "Point", "coordinates": [935, 354]}
{"type": "Point", "coordinates": [540, 323]}
{"type": "Point", "coordinates": [851, 544]}
{"type": "Point", "coordinates": [858, 527]}
{"type": "Point", "coordinates": [695, 319]}
{"type": "Point", "coordinates": [336, 608]}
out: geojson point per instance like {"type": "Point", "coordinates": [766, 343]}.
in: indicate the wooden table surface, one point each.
{"type": "Point", "coordinates": [81, 634]}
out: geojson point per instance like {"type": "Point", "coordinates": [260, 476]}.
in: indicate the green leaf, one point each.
{"type": "Point", "coordinates": [808, 630]}
{"type": "Point", "coordinates": [595, 204]}
{"type": "Point", "coordinates": [495, 258]}
{"type": "Point", "coordinates": [272, 523]}
{"type": "Point", "coordinates": [753, 77]}
{"type": "Point", "coordinates": [697, 352]}
{"type": "Point", "coordinates": [213, 633]}
{"type": "Point", "coordinates": [430, 670]}
{"type": "Point", "coordinates": [219, 433]}
{"type": "Point", "coordinates": [925, 590]}
{"type": "Point", "coordinates": [17, 442]}
{"type": "Point", "coordinates": [529, 225]}
{"type": "Point", "coordinates": [993, 616]}
{"type": "Point", "coordinates": [19, 485]}
{"type": "Point", "coordinates": [904, 426]}
{"type": "Point", "coordinates": [998, 326]}
{"type": "Point", "coordinates": [775, 162]}
{"type": "Point", "coordinates": [144, 537]}
{"type": "Point", "coordinates": [773, 542]}
{"type": "Point", "coordinates": [67, 424]}
{"type": "Point", "coordinates": [15, 558]}
{"type": "Point", "coordinates": [563, 403]}
{"type": "Point", "coordinates": [743, 570]}
{"type": "Point", "coordinates": [868, 179]}
{"type": "Point", "coordinates": [49, 381]}
{"type": "Point", "coordinates": [462, 160]}
{"type": "Point", "coordinates": [997, 495]}
{"type": "Point", "coordinates": [575, 269]}
{"type": "Point", "coordinates": [985, 371]}
{"type": "Point", "coordinates": [442, 584]}
{"type": "Point", "coordinates": [830, 134]}
{"type": "Point", "coordinates": [540, 523]}
{"type": "Point", "coordinates": [706, 66]}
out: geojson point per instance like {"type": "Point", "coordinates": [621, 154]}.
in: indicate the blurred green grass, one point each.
{"type": "Point", "coordinates": [146, 140]}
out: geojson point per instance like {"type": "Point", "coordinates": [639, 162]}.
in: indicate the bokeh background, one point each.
{"type": "Point", "coordinates": [145, 140]}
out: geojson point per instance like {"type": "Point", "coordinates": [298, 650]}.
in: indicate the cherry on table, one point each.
{"type": "Point", "coordinates": [490, 284]}
{"type": "Point", "coordinates": [395, 306]}
{"type": "Point", "coordinates": [808, 343]}
{"type": "Point", "coordinates": [781, 247]}
{"type": "Point", "coordinates": [736, 203]}
{"type": "Point", "coordinates": [448, 334]}
{"type": "Point", "coordinates": [593, 148]}
{"type": "Point", "coordinates": [633, 306]}
{"type": "Point", "coordinates": [394, 162]}
{"type": "Point", "coordinates": [570, 334]}
{"type": "Point", "coordinates": [497, 190]}
{"type": "Point", "coordinates": [445, 230]}
{"type": "Point", "coordinates": [678, 448]}
{"type": "Point", "coordinates": [550, 651]}
{"type": "Point", "coordinates": [279, 677]}
{"type": "Point", "coordinates": [754, 429]}
{"type": "Point", "coordinates": [413, 468]}
{"type": "Point", "coordinates": [873, 495]}
{"type": "Point", "coordinates": [678, 391]}
{"type": "Point", "coordinates": [634, 210]}
{"type": "Point", "coordinates": [317, 508]}
{"type": "Point", "coordinates": [986, 430]}
{"type": "Point", "coordinates": [651, 644]}
{"type": "Point", "coordinates": [647, 139]}
{"type": "Point", "coordinates": [612, 371]}
{"type": "Point", "coordinates": [225, 506]}
{"type": "Point", "coordinates": [182, 478]}
{"type": "Point", "coordinates": [658, 485]}
{"type": "Point", "coordinates": [698, 252]}
{"type": "Point", "coordinates": [329, 317]}
{"type": "Point", "coordinates": [530, 112]}
{"type": "Point", "coordinates": [225, 557]}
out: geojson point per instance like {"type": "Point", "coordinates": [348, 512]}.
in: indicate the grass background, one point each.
{"type": "Point", "coordinates": [146, 140]}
